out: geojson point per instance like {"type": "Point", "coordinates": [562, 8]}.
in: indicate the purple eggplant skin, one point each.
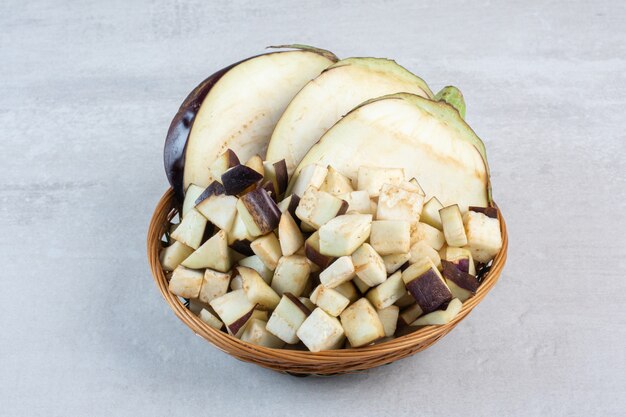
{"type": "Point", "coordinates": [180, 127]}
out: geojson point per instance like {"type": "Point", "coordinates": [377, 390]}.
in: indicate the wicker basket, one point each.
{"type": "Point", "coordinates": [296, 362]}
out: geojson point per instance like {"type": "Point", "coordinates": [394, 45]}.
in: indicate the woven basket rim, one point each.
{"type": "Point", "coordinates": [298, 360]}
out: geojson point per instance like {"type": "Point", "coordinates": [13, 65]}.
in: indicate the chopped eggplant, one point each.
{"type": "Point", "coordinates": [369, 265]}
{"type": "Point", "coordinates": [335, 183]}
{"type": "Point", "coordinates": [358, 201]}
{"type": "Point", "coordinates": [259, 212]}
{"type": "Point", "coordinates": [208, 317]}
{"type": "Point", "coordinates": [313, 254]}
{"type": "Point", "coordinates": [287, 318]}
{"type": "Point", "coordinates": [361, 323]}
{"type": "Point", "coordinates": [388, 292]}
{"type": "Point", "coordinates": [316, 208]}
{"type": "Point", "coordinates": [289, 235]}
{"type": "Point", "coordinates": [191, 229]}
{"type": "Point", "coordinates": [431, 236]}
{"type": "Point", "coordinates": [239, 179]}
{"type": "Point", "coordinates": [483, 236]}
{"type": "Point", "coordinates": [395, 261]}
{"type": "Point", "coordinates": [390, 236]}
{"type": "Point", "coordinates": [234, 309]}
{"type": "Point", "coordinates": [430, 213]}
{"type": "Point", "coordinates": [223, 163]}
{"type": "Point", "coordinates": [338, 272]}
{"type": "Point", "coordinates": [291, 275]}
{"type": "Point", "coordinates": [212, 254]}
{"type": "Point", "coordinates": [320, 331]}
{"type": "Point", "coordinates": [401, 201]}
{"type": "Point", "coordinates": [440, 317]}
{"type": "Point", "coordinates": [257, 264]}
{"type": "Point", "coordinates": [173, 255]}
{"type": "Point", "coordinates": [426, 285]}
{"type": "Point", "coordinates": [268, 249]}
{"type": "Point", "coordinates": [256, 289]}
{"type": "Point", "coordinates": [389, 318]}
{"type": "Point", "coordinates": [310, 176]}
{"type": "Point", "coordinates": [421, 251]}
{"type": "Point", "coordinates": [453, 228]}
{"type": "Point", "coordinates": [214, 285]}
{"type": "Point", "coordinates": [329, 300]}
{"type": "Point", "coordinates": [185, 282]}
{"type": "Point", "coordinates": [462, 284]}
{"type": "Point", "coordinates": [343, 235]}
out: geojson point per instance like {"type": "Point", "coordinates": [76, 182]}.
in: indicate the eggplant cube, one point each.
{"type": "Point", "coordinates": [185, 282]}
{"type": "Point", "coordinates": [310, 176]}
{"type": "Point", "coordinates": [483, 236]}
{"type": "Point", "coordinates": [208, 317]}
{"type": "Point", "coordinates": [191, 195]}
{"type": "Point", "coordinates": [432, 236]}
{"type": "Point", "coordinates": [234, 309]}
{"type": "Point", "coordinates": [257, 290]}
{"type": "Point", "coordinates": [462, 284]}
{"type": "Point", "coordinates": [287, 319]}
{"type": "Point", "coordinates": [410, 314]}
{"type": "Point", "coordinates": [453, 228]}
{"type": "Point", "coordinates": [361, 323]}
{"type": "Point", "coordinates": [329, 300]}
{"type": "Point", "coordinates": [223, 163]}
{"type": "Point", "coordinates": [277, 173]}
{"type": "Point", "coordinates": [313, 254]}
{"type": "Point", "coordinates": [389, 318]}
{"type": "Point", "coordinates": [462, 258]}
{"type": "Point", "coordinates": [372, 179]}
{"type": "Point", "coordinates": [395, 261]}
{"type": "Point", "coordinates": [219, 208]}
{"type": "Point", "coordinates": [340, 271]}
{"type": "Point", "coordinates": [307, 303]}
{"type": "Point", "coordinates": [362, 286]}
{"type": "Point", "coordinates": [400, 202]}
{"type": "Point", "coordinates": [257, 334]}
{"type": "Point", "coordinates": [238, 179]}
{"type": "Point", "coordinates": [388, 292]}
{"type": "Point", "coordinates": [259, 212]}
{"type": "Point", "coordinates": [239, 232]}
{"type": "Point", "coordinates": [256, 163]}
{"type": "Point", "coordinates": [191, 229]}
{"type": "Point", "coordinates": [440, 317]}
{"type": "Point", "coordinates": [289, 234]}
{"type": "Point", "coordinates": [320, 331]}
{"type": "Point", "coordinates": [291, 275]}
{"type": "Point", "coordinates": [348, 290]}
{"type": "Point", "coordinates": [268, 249]}
{"type": "Point", "coordinates": [421, 250]}
{"type": "Point", "coordinates": [173, 255]}
{"type": "Point", "coordinates": [257, 264]}
{"type": "Point", "coordinates": [336, 183]}
{"type": "Point", "coordinates": [318, 207]}
{"type": "Point", "coordinates": [212, 254]}
{"type": "Point", "coordinates": [426, 285]}
{"type": "Point", "coordinates": [390, 236]}
{"type": "Point", "coordinates": [369, 265]}
{"type": "Point", "coordinates": [289, 205]}
{"type": "Point", "coordinates": [430, 213]}
{"type": "Point", "coordinates": [342, 235]}
{"type": "Point", "coordinates": [214, 285]}
{"type": "Point", "coordinates": [358, 201]}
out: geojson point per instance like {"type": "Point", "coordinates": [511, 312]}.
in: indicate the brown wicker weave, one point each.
{"type": "Point", "coordinates": [298, 362]}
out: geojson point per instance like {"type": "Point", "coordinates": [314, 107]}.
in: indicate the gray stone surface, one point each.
{"type": "Point", "coordinates": [87, 90]}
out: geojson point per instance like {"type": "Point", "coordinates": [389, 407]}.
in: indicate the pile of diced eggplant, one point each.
{"type": "Point", "coordinates": [325, 262]}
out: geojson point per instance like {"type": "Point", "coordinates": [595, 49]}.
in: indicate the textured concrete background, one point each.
{"type": "Point", "coordinates": [87, 90]}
